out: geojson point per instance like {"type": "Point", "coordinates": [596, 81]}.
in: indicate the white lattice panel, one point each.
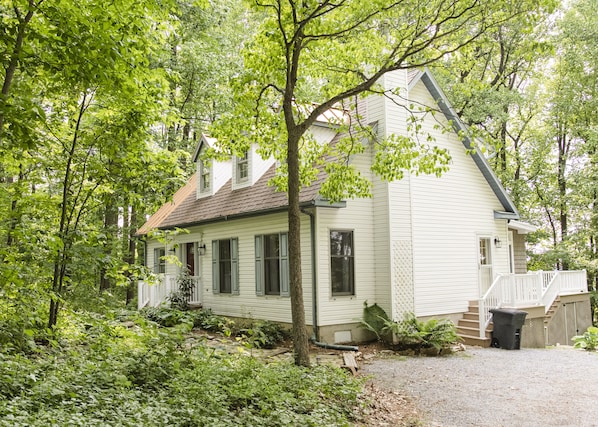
{"type": "Point", "coordinates": [402, 279]}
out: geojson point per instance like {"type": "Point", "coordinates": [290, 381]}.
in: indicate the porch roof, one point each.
{"type": "Point", "coordinates": [522, 227]}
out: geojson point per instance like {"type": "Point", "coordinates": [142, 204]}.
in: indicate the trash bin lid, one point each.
{"type": "Point", "coordinates": [508, 316]}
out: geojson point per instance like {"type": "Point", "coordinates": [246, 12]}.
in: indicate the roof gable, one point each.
{"type": "Point", "coordinates": [432, 86]}
{"type": "Point", "coordinates": [204, 141]}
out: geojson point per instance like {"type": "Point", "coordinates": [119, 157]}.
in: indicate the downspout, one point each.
{"type": "Point", "coordinates": [314, 287]}
{"type": "Point", "coordinates": [314, 281]}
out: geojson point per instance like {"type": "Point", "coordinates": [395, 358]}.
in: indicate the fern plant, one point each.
{"type": "Point", "coordinates": [410, 332]}
{"type": "Point", "coordinates": [435, 333]}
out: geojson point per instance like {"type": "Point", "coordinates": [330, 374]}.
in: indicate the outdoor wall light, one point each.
{"type": "Point", "coordinates": [497, 242]}
{"type": "Point", "coordinates": [202, 249]}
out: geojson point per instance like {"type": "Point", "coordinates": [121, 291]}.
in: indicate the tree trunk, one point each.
{"type": "Point", "coordinates": [110, 225]}
{"type": "Point", "coordinates": [61, 259]}
{"type": "Point", "coordinates": [14, 216]}
{"type": "Point", "coordinates": [300, 336]}
{"type": "Point", "coordinates": [562, 185]}
{"type": "Point", "coordinates": [15, 56]}
{"type": "Point", "coordinates": [130, 253]}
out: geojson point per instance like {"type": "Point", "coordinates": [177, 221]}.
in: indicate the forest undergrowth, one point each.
{"type": "Point", "coordinates": [123, 369]}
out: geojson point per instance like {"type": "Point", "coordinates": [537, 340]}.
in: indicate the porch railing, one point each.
{"type": "Point", "coordinates": [153, 295]}
{"type": "Point", "coordinates": [533, 288]}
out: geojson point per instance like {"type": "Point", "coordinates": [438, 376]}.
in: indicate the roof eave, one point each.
{"type": "Point", "coordinates": [505, 215]}
{"type": "Point", "coordinates": [318, 203]}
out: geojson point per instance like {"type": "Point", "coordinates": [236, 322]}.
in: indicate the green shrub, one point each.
{"type": "Point", "coordinates": [204, 319]}
{"type": "Point", "coordinates": [374, 320]}
{"type": "Point", "coordinates": [413, 333]}
{"type": "Point", "coordinates": [588, 341]}
{"type": "Point", "coordinates": [410, 333]}
{"type": "Point", "coordinates": [214, 323]}
{"type": "Point", "coordinates": [179, 299]}
{"type": "Point", "coordinates": [265, 334]}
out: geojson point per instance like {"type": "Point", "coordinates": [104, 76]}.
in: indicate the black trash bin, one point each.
{"type": "Point", "coordinates": [507, 328]}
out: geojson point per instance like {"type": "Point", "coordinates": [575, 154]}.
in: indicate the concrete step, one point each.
{"type": "Point", "coordinates": [476, 340]}
{"type": "Point", "coordinates": [471, 316]}
{"type": "Point", "coordinates": [470, 323]}
{"type": "Point", "coordinates": [475, 332]}
{"type": "Point", "coordinates": [474, 309]}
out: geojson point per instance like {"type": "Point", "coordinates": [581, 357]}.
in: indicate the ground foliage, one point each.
{"type": "Point", "coordinates": [253, 333]}
{"type": "Point", "coordinates": [154, 379]}
{"type": "Point", "coordinates": [409, 333]}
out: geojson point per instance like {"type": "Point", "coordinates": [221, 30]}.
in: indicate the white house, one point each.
{"type": "Point", "coordinates": [451, 246]}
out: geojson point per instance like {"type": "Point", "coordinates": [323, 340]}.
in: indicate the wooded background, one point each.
{"type": "Point", "coordinates": [102, 104]}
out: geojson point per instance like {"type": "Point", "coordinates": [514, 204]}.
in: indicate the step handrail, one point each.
{"type": "Point", "coordinates": [514, 289]}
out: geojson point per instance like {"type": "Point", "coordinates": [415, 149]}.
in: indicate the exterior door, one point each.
{"type": "Point", "coordinates": [190, 258]}
{"type": "Point", "coordinates": [485, 264]}
{"type": "Point", "coordinates": [511, 254]}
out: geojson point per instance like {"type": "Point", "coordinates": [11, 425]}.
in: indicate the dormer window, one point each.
{"type": "Point", "coordinates": [243, 168]}
{"type": "Point", "coordinates": [204, 178]}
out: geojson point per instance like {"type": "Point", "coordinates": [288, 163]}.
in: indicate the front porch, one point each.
{"type": "Point", "coordinates": [542, 294]}
{"type": "Point", "coordinates": [154, 294]}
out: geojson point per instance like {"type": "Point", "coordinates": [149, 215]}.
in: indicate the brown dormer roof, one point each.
{"type": "Point", "coordinates": [186, 210]}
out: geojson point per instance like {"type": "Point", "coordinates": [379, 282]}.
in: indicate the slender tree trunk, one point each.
{"type": "Point", "coordinates": [300, 336]}
{"type": "Point", "coordinates": [502, 153]}
{"type": "Point", "coordinates": [14, 215]}
{"type": "Point", "coordinates": [60, 261]}
{"type": "Point", "coordinates": [130, 253]}
{"type": "Point", "coordinates": [15, 55]}
{"type": "Point", "coordinates": [110, 226]}
{"type": "Point", "coordinates": [562, 185]}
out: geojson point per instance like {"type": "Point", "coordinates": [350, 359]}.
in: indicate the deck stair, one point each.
{"type": "Point", "coordinates": [468, 327]}
{"type": "Point", "coordinates": [551, 310]}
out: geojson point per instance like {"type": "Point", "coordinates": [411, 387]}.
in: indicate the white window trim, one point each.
{"type": "Point", "coordinates": [354, 291]}
{"type": "Point", "coordinates": [202, 168]}
{"type": "Point", "coordinates": [242, 182]}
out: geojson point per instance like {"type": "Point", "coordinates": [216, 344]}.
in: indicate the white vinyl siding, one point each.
{"type": "Point", "coordinates": [374, 112]}
{"type": "Point", "coordinates": [247, 304]}
{"type": "Point", "coordinates": [358, 217]}
{"type": "Point", "coordinates": [448, 215]}
{"type": "Point", "coordinates": [219, 174]}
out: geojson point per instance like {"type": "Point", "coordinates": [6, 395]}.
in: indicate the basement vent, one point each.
{"type": "Point", "coordinates": [342, 336]}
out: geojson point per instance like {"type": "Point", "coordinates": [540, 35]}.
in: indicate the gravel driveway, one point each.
{"type": "Point", "coordinates": [496, 387]}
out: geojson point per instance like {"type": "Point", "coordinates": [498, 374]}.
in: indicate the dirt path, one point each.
{"type": "Point", "coordinates": [495, 387]}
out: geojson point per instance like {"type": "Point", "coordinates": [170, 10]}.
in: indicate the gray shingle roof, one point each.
{"type": "Point", "coordinates": [226, 203]}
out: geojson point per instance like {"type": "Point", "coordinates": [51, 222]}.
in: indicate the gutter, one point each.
{"type": "Point", "coordinates": [314, 287]}
{"type": "Point", "coordinates": [314, 281]}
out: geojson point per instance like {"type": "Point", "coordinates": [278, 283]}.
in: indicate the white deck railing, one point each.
{"type": "Point", "coordinates": [153, 295]}
{"type": "Point", "coordinates": [533, 288]}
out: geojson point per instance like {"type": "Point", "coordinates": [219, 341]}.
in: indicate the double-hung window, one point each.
{"type": "Point", "coordinates": [342, 263]}
{"type": "Point", "coordinates": [159, 261]}
{"type": "Point", "coordinates": [272, 264]}
{"type": "Point", "coordinates": [204, 177]}
{"type": "Point", "coordinates": [225, 266]}
{"type": "Point", "coordinates": [243, 167]}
